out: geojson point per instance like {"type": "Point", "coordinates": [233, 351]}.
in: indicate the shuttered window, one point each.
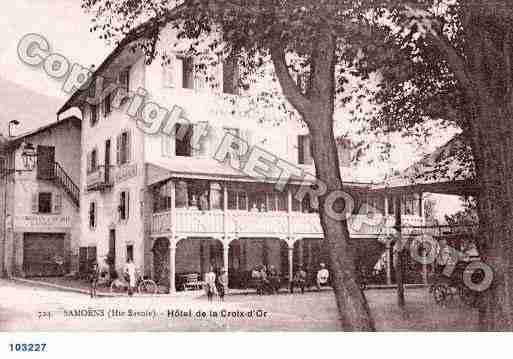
{"type": "Point", "coordinates": [57, 203]}
{"type": "Point", "coordinates": [107, 105]}
{"type": "Point", "coordinates": [124, 205]}
{"type": "Point", "coordinates": [187, 73]}
{"type": "Point", "coordinates": [124, 79]}
{"type": "Point", "coordinates": [44, 202]}
{"type": "Point", "coordinates": [304, 147]}
{"type": "Point", "coordinates": [92, 161]}
{"type": "Point", "coordinates": [123, 148]}
{"type": "Point", "coordinates": [92, 215]}
{"type": "Point", "coordinates": [169, 74]}
{"type": "Point", "coordinates": [94, 115]}
{"type": "Point", "coordinates": [183, 140]}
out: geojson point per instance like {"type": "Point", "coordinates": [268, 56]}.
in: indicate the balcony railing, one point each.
{"type": "Point", "coordinates": [261, 224]}
{"type": "Point", "coordinates": [100, 179]}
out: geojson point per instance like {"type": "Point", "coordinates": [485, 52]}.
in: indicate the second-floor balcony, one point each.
{"type": "Point", "coordinates": [233, 223]}
{"type": "Point", "coordinates": [99, 179]}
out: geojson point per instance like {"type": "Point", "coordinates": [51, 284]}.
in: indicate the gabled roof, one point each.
{"type": "Point", "coordinates": [448, 169]}
{"type": "Point", "coordinates": [13, 141]}
{"type": "Point", "coordinates": [135, 34]}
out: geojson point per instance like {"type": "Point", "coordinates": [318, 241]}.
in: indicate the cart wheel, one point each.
{"type": "Point", "coordinates": [467, 296]}
{"type": "Point", "coordinates": [440, 294]}
{"type": "Point", "coordinates": [147, 286]}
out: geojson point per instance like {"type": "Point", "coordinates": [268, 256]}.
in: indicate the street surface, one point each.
{"type": "Point", "coordinates": [25, 307]}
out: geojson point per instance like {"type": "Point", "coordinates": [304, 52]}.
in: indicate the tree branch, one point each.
{"type": "Point", "coordinates": [290, 90]}
{"type": "Point", "coordinates": [455, 62]}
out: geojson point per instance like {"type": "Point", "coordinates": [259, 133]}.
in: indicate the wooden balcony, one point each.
{"type": "Point", "coordinates": [100, 179]}
{"type": "Point", "coordinates": [212, 223]}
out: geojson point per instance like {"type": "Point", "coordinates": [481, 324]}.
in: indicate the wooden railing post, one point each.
{"type": "Point", "coordinates": [399, 253]}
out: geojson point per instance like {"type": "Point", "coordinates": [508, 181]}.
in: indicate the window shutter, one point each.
{"type": "Point", "coordinates": [308, 150]}
{"type": "Point", "coordinates": [118, 150]}
{"type": "Point", "coordinates": [128, 146]}
{"type": "Point", "coordinates": [246, 135]}
{"type": "Point", "coordinates": [168, 75]}
{"type": "Point", "coordinates": [57, 203]}
{"type": "Point", "coordinates": [127, 205]}
{"type": "Point", "coordinates": [88, 162]}
{"type": "Point", "coordinates": [35, 202]}
{"type": "Point", "coordinates": [200, 149]}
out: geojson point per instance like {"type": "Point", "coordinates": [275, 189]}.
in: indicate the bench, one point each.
{"type": "Point", "coordinates": [192, 281]}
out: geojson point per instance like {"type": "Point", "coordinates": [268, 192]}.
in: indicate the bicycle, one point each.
{"type": "Point", "coordinates": [142, 285]}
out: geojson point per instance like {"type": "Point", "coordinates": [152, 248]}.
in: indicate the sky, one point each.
{"type": "Point", "coordinates": [65, 25]}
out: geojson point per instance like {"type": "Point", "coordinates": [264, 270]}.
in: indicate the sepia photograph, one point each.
{"type": "Point", "coordinates": [255, 166]}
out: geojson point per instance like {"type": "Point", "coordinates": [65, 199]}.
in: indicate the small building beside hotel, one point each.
{"type": "Point", "coordinates": [40, 204]}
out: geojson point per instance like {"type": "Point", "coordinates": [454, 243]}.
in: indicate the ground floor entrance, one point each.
{"type": "Point", "coordinates": [43, 254]}
{"type": "Point", "coordinates": [374, 259]}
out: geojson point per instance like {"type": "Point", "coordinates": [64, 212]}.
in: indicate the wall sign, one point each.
{"type": "Point", "coordinates": [42, 221]}
{"type": "Point", "coordinates": [126, 172]}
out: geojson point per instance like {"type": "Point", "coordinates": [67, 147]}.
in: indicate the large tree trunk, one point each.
{"type": "Point", "coordinates": [317, 107]}
{"type": "Point", "coordinates": [352, 304]}
{"type": "Point", "coordinates": [493, 152]}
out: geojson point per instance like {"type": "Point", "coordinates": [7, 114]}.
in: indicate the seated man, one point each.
{"type": "Point", "coordinates": [299, 280]}
{"type": "Point", "coordinates": [322, 276]}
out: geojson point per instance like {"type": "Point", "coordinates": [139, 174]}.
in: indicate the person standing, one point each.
{"type": "Point", "coordinates": [130, 271]}
{"type": "Point", "coordinates": [94, 276]}
{"type": "Point", "coordinates": [299, 280]}
{"type": "Point", "coordinates": [322, 276]}
{"type": "Point", "coordinates": [210, 283]}
{"type": "Point", "coordinates": [222, 283]}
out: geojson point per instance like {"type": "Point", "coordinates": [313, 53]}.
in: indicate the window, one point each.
{"type": "Point", "coordinates": [130, 252]}
{"type": "Point", "coordinates": [168, 74]}
{"type": "Point", "coordinates": [409, 205]}
{"type": "Point", "coordinates": [123, 148]}
{"type": "Point", "coordinates": [124, 205]}
{"type": "Point", "coordinates": [107, 105]}
{"type": "Point", "coordinates": [188, 73]}
{"type": "Point", "coordinates": [183, 136]}
{"type": "Point", "coordinates": [92, 161]}
{"type": "Point", "coordinates": [94, 115]}
{"type": "Point", "coordinates": [231, 76]}
{"type": "Point", "coordinates": [304, 147]}
{"type": "Point", "coordinates": [124, 79]}
{"type": "Point", "coordinates": [237, 200]}
{"type": "Point", "coordinates": [162, 197]}
{"type": "Point", "coordinates": [92, 215]}
{"type": "Point", "coordinates": [45, 202]}
{"type": "Point", "coordinates": [167, 145]}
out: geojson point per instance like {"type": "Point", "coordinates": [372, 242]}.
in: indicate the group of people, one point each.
{"type": "Point", "coordinates": [130, 274]}
{"type": "Point", "coordinates": [216, 282]}
{"type": "Point", "coordinates": [266, 279]}
{"type": "Point", "coordinates": [300, 278]}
